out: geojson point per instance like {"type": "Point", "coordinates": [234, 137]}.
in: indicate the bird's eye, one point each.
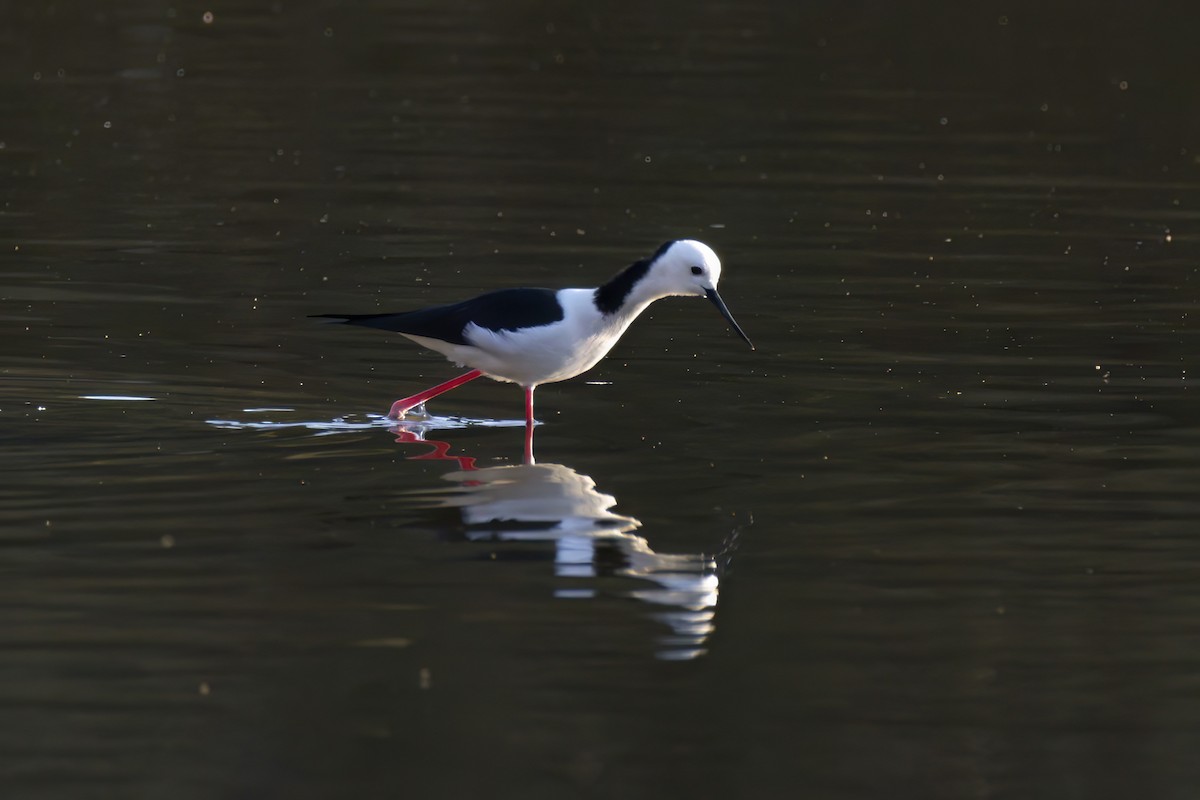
{"type": "Point", "coordinates": [697, 270]}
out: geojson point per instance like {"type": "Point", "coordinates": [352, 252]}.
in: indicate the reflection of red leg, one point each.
{"type": "Point", "coordinates": [405, 403]}
{"type": "Point", "coordinates": [440, 451]}
{"type": "Point", "coordinates": [529, 425]}
{"type": "Point", "coordinates": [529, 444]}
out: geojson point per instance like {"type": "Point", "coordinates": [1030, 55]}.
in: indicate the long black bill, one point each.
{"type": "Point", "coordinates": [720, 304]}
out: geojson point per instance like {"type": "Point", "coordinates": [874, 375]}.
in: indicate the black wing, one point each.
{"type": "Point", "coordinates": [502, 310]}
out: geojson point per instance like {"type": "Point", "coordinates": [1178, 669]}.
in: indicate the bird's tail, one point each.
{"type": "Point", "coordinates": [384, 322]}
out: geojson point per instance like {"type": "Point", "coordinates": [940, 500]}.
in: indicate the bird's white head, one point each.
{"type": "Point", "coordinates": [684, 267]}
{"type": "Point", "coordinates": [689, 267]}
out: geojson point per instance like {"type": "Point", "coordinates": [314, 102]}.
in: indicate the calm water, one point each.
{"type": "Point", "coordinates": [936, 537]}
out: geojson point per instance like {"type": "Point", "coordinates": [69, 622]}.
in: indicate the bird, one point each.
{"type": "Point", "coordinates": [531, 336]}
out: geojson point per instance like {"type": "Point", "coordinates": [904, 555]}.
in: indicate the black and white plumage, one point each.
{"type": "Point", "coordinates": [535, 336]}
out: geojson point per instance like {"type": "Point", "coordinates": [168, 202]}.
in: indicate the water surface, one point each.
{"type": "Point", "coordinates": [934, 538]}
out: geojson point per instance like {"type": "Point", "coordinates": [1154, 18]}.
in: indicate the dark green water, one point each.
{"type": "Point", "coordinates": [936, 537]}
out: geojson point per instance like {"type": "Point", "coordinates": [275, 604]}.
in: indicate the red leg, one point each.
{"type": "Point", "coordinates": [405, 403]}
{"type": "Point", "coordinates": [529, 425]}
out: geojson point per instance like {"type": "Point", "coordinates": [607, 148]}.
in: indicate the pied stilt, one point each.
{"type": "Point", "coordinates": [535, 336]}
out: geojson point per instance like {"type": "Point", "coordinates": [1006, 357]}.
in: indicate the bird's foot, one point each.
{"type": "Point", "coordinates": [400, 410]}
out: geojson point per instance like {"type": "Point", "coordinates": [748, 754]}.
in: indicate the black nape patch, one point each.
{"type": "Point", "coordinates": [611, 296]}
{"type": "Point", "coordinates": [503, 310]}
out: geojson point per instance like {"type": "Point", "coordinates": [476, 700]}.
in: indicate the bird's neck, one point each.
{"type": "Point", "coordinates": [628, 293]}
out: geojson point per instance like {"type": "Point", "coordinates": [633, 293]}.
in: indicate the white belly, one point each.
{"type": "Point", "coordinates": [544, 354]}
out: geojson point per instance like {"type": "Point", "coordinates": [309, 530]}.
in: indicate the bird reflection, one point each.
{"type": "Point", "coordinates": [553, 503]}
